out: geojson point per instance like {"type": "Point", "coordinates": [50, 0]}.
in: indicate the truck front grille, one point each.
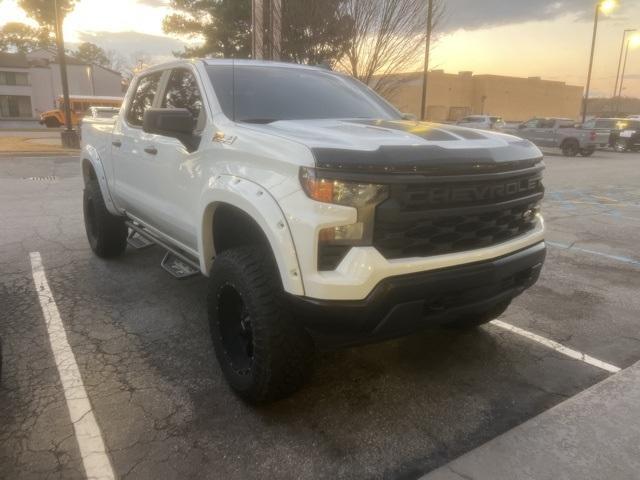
{"type": "Point", "coordinates": [456, 215]}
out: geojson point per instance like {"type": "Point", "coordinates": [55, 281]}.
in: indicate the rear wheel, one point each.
{"type": "Point", "coordinates": [52, 122]}
{"type": "Point", "coordinates": [587, 152]}
{"type": "Point", "coordinates": [264, 353]}
{"type": "Point", "coordinates": [107, 233]}
{"type": "Point", "coordinates": [480, 318]}
{"type": "Point", "coordinates": [570, 148]}
{"type": "Point", "coordinates": [620, 145]}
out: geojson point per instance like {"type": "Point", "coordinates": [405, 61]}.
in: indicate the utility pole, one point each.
{"type": "Point", "coordinates": [624, 68]}
{"type": "Point", "coordinates": [266, 28]}
{"type": "Point", "coordinates": [427, 48]}
{"type": "Point", "coordinates": [593, 49]}
{"type": "Point", "coordinates": [68, 136]}
{"type": "Point", "coordinates": [624, 37]}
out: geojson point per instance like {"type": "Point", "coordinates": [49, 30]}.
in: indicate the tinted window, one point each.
{"type": "Point", "coordinates": [182, 92]}
{"type": "Point", "coordinates": [265, 94]}
{"type": "Point", "coordinates": [143, 98]}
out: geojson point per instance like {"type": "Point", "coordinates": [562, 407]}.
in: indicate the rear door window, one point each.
{"type": "Point", "coordinates": [146, 90]}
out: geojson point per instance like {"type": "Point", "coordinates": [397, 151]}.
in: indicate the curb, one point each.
{"type": "Point", "coordinates": [591, 436]}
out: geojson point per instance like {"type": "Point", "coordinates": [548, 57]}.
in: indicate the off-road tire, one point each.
{"type": "Point", "coordinates": [478, 319]}
{"type": "Point", "coordinates": [277, 357]}
{"type": "Point", "coordinates": [587, 152]}
{"type": "Point", "coordinates": [570, 148]}
{"type": "Point", "coordinates": [107, 233]}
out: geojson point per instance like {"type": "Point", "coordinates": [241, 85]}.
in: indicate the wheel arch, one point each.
{"type": "Point", "coordinates": [234, 201]}
{"type": "Point", "coordinates": [92, 169]}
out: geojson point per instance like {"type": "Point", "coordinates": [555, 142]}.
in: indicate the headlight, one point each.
{"type": "Point", "coordinates": [362, 196]}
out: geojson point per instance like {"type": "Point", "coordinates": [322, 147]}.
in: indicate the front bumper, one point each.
{"type": "Point", "coordinates": [403, 304]}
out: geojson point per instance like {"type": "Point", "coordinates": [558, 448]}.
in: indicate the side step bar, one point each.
{"type": "Point", "coordinates": [177, 262]}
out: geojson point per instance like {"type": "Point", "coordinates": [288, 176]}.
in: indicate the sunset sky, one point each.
{"type": "Point", "coordinates": [547, 38]}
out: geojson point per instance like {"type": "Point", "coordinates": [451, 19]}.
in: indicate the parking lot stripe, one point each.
{"type": "Point", "coordinates": [92, 450]}
{"type": "Point", "coordinates": [557, 347]}
{"type": "Point", "coordinates": [619, 258]}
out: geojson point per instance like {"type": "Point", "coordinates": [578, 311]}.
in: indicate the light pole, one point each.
{"type": "Point", "coordinates": [427, 48]}
{"type": "Point", "coordinates": [633, 42]}
{"type": "Point", "coordinates": [604, 6]}
{"type": "Point", "coordinates": [624, 37]}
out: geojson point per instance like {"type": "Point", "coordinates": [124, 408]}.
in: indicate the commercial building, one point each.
{"type": "Point", "coordinates": [451, 97]}
{"type": "Point", "coordinates": [31, 83]}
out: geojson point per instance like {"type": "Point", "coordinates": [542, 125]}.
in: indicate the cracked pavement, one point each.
{"type": "Point", "coordinates": [395, 410]}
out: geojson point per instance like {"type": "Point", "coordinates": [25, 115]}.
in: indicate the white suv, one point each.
{"type": "Point", "coordinates": [321, 217]}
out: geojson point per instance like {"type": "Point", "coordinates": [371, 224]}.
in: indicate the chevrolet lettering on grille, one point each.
{"type": "Point", "coordinates": [476, 193]}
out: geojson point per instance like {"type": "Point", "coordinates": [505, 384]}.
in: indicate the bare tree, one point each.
{"type": "Point", "coordinates": [387, 38]}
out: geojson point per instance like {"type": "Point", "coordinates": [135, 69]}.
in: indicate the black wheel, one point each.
{"type": "Point", "coordinates": [52, 122]}
{"type": "Point", "coordinates": [107, 233]}
{"type": "Point", "coordinates": [264, 354]}
{"type": "Point", "coordinates": [621, 145]}
{"type": "Point", "coordinates": [570, 148]}
{"type": "Point", "coordinates": [587, 152]}
{"type": "Point", "coordinates": [475, 320]}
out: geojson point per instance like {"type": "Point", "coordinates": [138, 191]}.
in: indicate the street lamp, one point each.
{"type": "Point", "coordinates": [624, 37]}
{"type": "Point", "coordinates": [633, 42]}
{"type": "Point", "coordinates": [606, 7]}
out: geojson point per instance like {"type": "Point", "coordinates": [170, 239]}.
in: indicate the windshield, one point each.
{"type": "Point", "coordinates": [268, 94]}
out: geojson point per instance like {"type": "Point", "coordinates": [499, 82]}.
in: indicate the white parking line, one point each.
{"type": "Point", "coordinates": [92, 450]}
{"type": "Point", "coordinates": [557, 347]}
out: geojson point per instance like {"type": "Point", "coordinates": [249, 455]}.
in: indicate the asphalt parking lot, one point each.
{"type": "Point", "coordinates": [396, 410]}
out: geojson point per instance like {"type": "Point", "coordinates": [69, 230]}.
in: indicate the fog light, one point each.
{"type": "Point", "coordinates": [344, 233]}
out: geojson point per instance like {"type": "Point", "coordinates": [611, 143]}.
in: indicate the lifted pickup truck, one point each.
{"type": "Point", "coordinates": [321, 216]}
{"type": "Point", "coordinates": [563, 134]}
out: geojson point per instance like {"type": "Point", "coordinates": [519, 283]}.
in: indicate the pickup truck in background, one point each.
{"type": "Point", "coordinates": [562, 133]}
{"type": "Point", "coordinates": [626, 136]}
{"type": "Point", "coordinates": [321, 215]}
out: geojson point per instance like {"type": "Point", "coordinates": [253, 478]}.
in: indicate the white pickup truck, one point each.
{"type": "Point", "coordinates": [321, 215]}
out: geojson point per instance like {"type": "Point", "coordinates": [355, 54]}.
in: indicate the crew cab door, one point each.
{"type": "Point", "coordinates": [529, 130]}
{"type": "Point", "coordinates": [133, 166]}
{"type": "Point", "coordinates": [174, 165]}
{"type": "Point", "coordinates": [546, 133]}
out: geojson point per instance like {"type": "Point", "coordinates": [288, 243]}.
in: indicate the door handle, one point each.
{"type": "Point", "coordinates": [116, 143]}
{"type": "Point", "coordinates": [151, 150]}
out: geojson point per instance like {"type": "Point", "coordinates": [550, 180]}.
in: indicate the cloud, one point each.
{"type": "Point", "coordinates": [476, 14]}
{"type": "Point", "coordinates": [129, 43]}
{"type": "Point", "coordinates": [154, 3]}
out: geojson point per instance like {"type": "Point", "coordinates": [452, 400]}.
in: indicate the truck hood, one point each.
{"type": "Point", "coordinates": [401, 145]}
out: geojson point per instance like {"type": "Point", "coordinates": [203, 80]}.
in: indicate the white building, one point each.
{"type": "Point", "coordinates": [30, 84]}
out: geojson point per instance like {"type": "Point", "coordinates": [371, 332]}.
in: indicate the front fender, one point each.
{"type": "Point", "coordinates": [91, 155]}
{"type": "Point", "coordinates": [256, 202]}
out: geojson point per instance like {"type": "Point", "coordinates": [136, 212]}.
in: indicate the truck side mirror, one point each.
{"type": "Point", "coordinates": [172, 122]}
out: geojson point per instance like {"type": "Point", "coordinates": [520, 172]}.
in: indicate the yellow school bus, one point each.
{"type": "Point", "coordinates": [79, 105]}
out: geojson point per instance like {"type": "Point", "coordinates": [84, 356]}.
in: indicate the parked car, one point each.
{"type": "Point", "coordinates": [482, 122]}
{"type": "Point", "coordinates": [604, 128]}
{"type": "Point", "coordinates": [633, 117]}
{"type": "Point", "coordinates": [626, 136]}
{"type": "Point", "coordinates": [321, 216]}
{"type": "Point", "coordinates": [561, 133]}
